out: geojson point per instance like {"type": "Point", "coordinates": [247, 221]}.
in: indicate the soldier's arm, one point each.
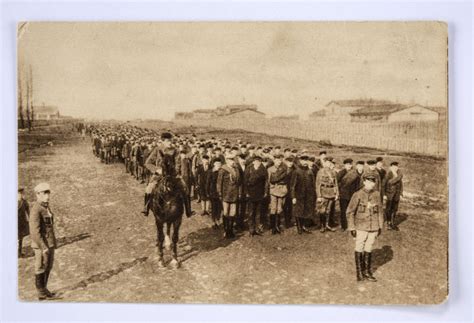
{"type": "Point", "coordinates": [150, 162]}
{"type": "Point", "coordinates": [293, 183]}
{"type": "Point", "coordinates": [318, 185]}
{"type": "Point", "coordinates": [35, 228]}
{"type": "Point", "coordinates": [351, 212]}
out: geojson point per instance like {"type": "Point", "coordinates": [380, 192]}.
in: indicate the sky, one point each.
{"type": "Point", "coordinates": [152, 70]}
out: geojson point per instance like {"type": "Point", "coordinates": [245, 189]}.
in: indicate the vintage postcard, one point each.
{"type": "Point", "coordinates": [233, 162]}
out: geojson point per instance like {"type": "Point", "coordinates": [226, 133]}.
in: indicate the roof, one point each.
{"type": "Point", "coordinates": [379, 110]}
{"type": "Point", "coordinates": [46, 109]}
{"type": "Point", "coordinates": [439, 110]}
{"type": "Point", "coordinates": [359, 102]}
{"type": "Point", "coordinates": [242, 110]}
{"type": "Point", "coordinates": [204, 111]}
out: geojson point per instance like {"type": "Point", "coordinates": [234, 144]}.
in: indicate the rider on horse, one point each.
{"type": "Point", "coordinates": [153, 163]}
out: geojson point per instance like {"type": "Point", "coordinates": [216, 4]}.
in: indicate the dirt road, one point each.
{"type": "Point", "coordinates": [107, 248]}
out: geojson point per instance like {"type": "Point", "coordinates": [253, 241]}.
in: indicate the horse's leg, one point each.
{"type": "Point", "coordinates": [167, 236]}
{"type": "Point", "coordinates": [160, 239]}
{"type": "Point", "coordinates": [176, 225]}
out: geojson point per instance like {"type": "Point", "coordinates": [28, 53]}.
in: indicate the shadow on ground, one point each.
{"type": "Point", "coordinates": [60, 242]}
{"type": "Point", "coordinates": [381, 256]}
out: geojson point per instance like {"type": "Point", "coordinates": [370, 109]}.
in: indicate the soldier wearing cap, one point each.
{"type": "Point", "coordinates": [327, 192]}
{"type": "Point", "coordinates": [288, 206]}
{"type": "Point", "coordinates": [302, 194]}
{"type": "Point", "coordinates": [345, 191]}
{"type": "Point", "coordinates": [278, 190]}
{"type": "Point", "coordinates": [228, 184]}
{"type": "Point", "coordinates": [393, 188]}
{"type": "Point", "coordinates": [255, 179]}
{"type": "Point", "coordinates": [365, 222]}
{"type": "Point", "coordinates": [372, 171]}
{"type": "Point", "coordinates": [23, 218]}
{"type": "Point", "coordinates": [43, 240]}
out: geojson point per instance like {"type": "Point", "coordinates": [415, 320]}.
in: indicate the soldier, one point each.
{"type": "Point", "coordinates": [372, 171]}
{"type": "Point", "coordinates": [288, 206]}
{"type": "Point", "coordinates": [393, 188]}
{"type": "Point", "coordinates": [365, 222]}
{"type": "Point", "coordinates": [345, 189]}
{"type": "Point", "coordinates": [43, 240]}
{"type": "Point", "coordinates": [183, 167]}
{"type": "Point", "coordinates": [302, 194]}
{"type": "Point", "coordinates": [255, 178]}
{"type": "Point", "coordinates": [23, 218]}
{"type": "Point", "coordinates": [278, 189]}
{"type": "Point", "coordinates": [216, 204]}
{"type": "Point", "coordinates": [380, 169]}
{"type": "Point", "coordinates": [228, 183]}
{"type": "Point", "coordinates": [242, 203]}
{"type": "Point", "coordinates": [327, 193]}
{"type": "Point", "coordinates": [153, 164]}
{"type": "Point", "coordinates": [202, 176]}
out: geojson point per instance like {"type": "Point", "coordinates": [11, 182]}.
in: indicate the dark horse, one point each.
{"type": "Point", "coordinates": [169, 199]}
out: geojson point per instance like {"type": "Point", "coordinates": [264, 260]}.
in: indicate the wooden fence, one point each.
{"type": "Point", "coordinates": [428, 138]}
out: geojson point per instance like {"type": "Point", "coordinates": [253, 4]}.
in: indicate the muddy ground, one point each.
{"type": "Point", "coordinates": [107, 248]}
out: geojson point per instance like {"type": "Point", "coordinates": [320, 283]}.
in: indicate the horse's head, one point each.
{"type": "Point", "coordinates": [168, 164]}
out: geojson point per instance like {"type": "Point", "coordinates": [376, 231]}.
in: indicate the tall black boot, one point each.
{"type": "Point", "coordinates": [225, 221]}
{"type": "Point", "coordinates": [304, 226]}
{"type": "Point", "coordinates": [231, 227]}
{"type": "Point", "coordinates": [272, 223]}
{"type": "Point", "coordinates": [39, 283]}
{"type": "Point", "coordinates": [322, 223]}
{"type": "Point", "coordinates": [146, 207]}
{"type": "Point", "coordinates": [277, 223]}
{"type": "Point", "coordinates": [358, 263]}
{"type": "Point", "coordinates": [47, 291]}
{"type": "Point", "coordinates": [368, 267]}
{"type": "Point", "coordinates": [298, 225]}
{"type": "Point", "coordinates": [187, 206]}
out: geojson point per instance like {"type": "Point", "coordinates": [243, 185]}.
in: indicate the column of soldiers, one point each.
{"type": "Point", "coordinates": [243, 186]}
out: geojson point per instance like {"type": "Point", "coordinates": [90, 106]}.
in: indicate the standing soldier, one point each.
{"type": "Point", "coordinates": [228, 183]}
{"type": "Point", "coordinates": [255, 178]}
{"type": "Point", "coordinates": [372, 171]}
{"type": "Point", "coordinates": [277, 175]}
{"type": "Point", "coordinates": [43, 240]}
{"type": "Point", "coordinates": [183, 167]}
{"type": "Point", "coordinates": [216, 205]}
{"type": "Point", "coordinates": [203, 171]}
{"type": "Point", "coordinates": [302, 194]}
{"type": "Point", "coordinates": [327, 193]}
{"type": "Point", "coordinates": [393, 187]}
{"type": "Point", "coordinates": [23, 218]}
{"type": "Point", "coordinates": [345, 189]}
{"type": "Point", "coordinates": [365, 221]}
{"type": "Point", "coordinates": [288, 205]}
{"type": "Point", "coordinates": [242, 203]}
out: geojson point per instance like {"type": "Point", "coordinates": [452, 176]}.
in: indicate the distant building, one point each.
{"type": "Point", "coordinates": [229, 109]}
{"type": "Point", "coordinates": [46, 112]}
{"type": "Point", "coordinates": [394, 113]}
{"type": "Point", "coordinates": [340, 110]}
{"type": "Point", "coordinates": [245, 114]}
{"type": "Point", "coordinates": [204, 114]}
{"type": "Point", "coordinates": [290, 117]}
{"type": "Point", "coordinates": [183, 115]}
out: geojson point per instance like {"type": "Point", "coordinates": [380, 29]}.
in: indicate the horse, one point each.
{"type": "Point", "coordinates": [168, 204]}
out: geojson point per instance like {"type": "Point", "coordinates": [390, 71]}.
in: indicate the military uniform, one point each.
{"type": "Point", "coordinates": [228, 182]}
{"type": "Point", "coordinates": [393, 187]}
{"type": "Point", "coordinates": [327, 191]}
{"type": "Point", "coordinates": [302, 189]}
{"type": "Point", "coordinates": [365, 220]}
{"type": "Point", "coordinates": [278, 190]}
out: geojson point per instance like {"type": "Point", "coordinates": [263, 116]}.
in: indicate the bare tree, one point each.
{"type": "Point", "coordinates": [20, 101]}
{"type": "Point", "coordinates": [32, 109]}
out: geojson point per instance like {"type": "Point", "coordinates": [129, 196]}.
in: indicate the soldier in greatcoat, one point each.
{"type": "Point", "coordinates": [302, 194]}
{"type": "Point", "coordinates": [255, 179]}
{"type": "Point", "coordinates": [228, 183]}
{"type": "Point", "coordinates": [23, 218]}
{"type": "Point", "coordinates": [327, 192]}
{"type": "Point", "coordinates": [393, 188]}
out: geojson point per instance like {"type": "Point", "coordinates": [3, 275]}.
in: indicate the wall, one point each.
{"type": "Point", "coordinates": [428, 138]}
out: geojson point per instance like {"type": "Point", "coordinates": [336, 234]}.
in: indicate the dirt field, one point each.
{"type": "Point", "coordinates": [107, 248]}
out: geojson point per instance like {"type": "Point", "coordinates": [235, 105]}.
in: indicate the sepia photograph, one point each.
{"type": "Point", "coordinates": [233, 162]}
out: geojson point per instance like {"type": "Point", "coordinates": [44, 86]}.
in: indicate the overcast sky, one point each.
{"type": "Point", "coordinates": [152, 70]}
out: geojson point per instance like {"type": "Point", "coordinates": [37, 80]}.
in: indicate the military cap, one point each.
{"type": "Point", "coordinates": [290, 158]}
{"type": "Point", "coordinates": [286, 149]}
{"type": "Point", "coordinates": [265, 159]}
{"type": "Point", "coordinates": [312, 158]}
{"type": "Point", "coordinates": [42, 187]}
{"type": "Point", "coordinates": [277, 147]}
{"type": "Point", "coordinates": [379, 159]}
{"type": "Point", "coordinates": [348, 161]}
{"type": "Point", "coordinates": [370, 178]}
{"type": "Point", "coordinates": [242, 156]}
{"type": "Point", "coordinates": [166, 135]}
{"type": "Point", "coordinates": [235, 148]}
{"type": "Point", "coordinates": [259, 147]}
{"type": "Point", "coordinates": [360, 162]}
{"type": "Point", "coordinates": [278, 156]}
{"type": "Point", "coordinates": [252, 147]}
{"type": "Point", "coordinates": [294, 151]}
{"type": "Point", "coordinates": [205, 157]}
{"type": "Point", "coordinates": [322, 152]}
{"type": "Point", "coordinates": [218, 149]}
{"type": "Point", "coordinates": [394, 163]}
{"type": "Point", "coordinates": [257, 158]}
{"type": "Point", "coordinates": [371, 162]}
{"type": "Point", "coordinates": [330, 159]}
{"type": "Point", "coordinates": [21, 189]}
{"type": "Point", "coordinates": [304, 157]}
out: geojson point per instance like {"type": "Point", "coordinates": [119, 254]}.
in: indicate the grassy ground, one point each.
{"type": "Point", "coordinates": [107, 249]}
